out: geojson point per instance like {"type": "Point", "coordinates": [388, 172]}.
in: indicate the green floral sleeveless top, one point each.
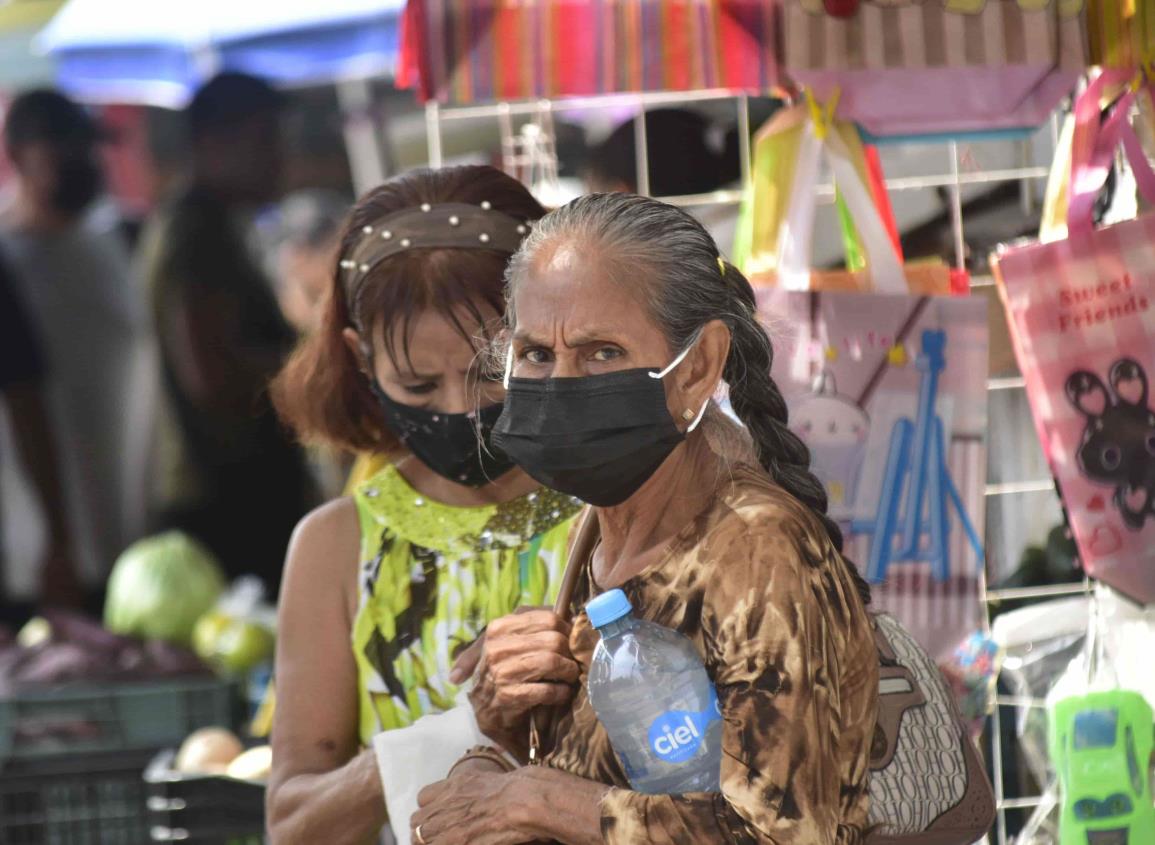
{"type": "Point", "coordinates": [432, 577]}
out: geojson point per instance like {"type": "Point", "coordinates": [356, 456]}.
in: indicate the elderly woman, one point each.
{"type": "Point", "coordinates": [624, 323]}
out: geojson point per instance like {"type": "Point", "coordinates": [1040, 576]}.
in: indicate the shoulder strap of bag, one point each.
{"type": "Point", "coordinates": [585, 539]}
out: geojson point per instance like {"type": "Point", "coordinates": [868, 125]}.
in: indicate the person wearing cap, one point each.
{"type": "Point", "coordinates": [385, 589]}
{"type": "Point", "coordinates": [71, 268]}
{"type": "Point", "coordinates": [228, 473]}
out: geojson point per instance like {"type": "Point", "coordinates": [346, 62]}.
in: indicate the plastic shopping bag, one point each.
{"type": "Point", "coordinates": [783, 205]}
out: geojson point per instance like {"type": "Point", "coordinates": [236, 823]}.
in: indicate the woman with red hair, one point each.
{"type": "Point", "coordinates": [383, 590]}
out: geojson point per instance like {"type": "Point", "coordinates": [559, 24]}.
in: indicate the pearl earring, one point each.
{"type": "Point", "coordinates": [688, 415]}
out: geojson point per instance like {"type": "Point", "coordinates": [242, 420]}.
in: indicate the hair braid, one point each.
{"type": "Point", "coordinates": [759, 404]}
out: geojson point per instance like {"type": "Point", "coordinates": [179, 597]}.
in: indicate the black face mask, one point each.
{"type": "Point", "coordinates": [448, 443]}
{"type": "Point", "coordinates": [598, 438]}
{"type": "Point", "coordinates": [78, 184]}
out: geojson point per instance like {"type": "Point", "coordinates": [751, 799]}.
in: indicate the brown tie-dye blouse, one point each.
{"type": "Point", "coordinates": [756, 585]}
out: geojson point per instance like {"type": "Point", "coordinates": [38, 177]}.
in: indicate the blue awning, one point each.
{"type": "Point", "coordinates": [158, 51]}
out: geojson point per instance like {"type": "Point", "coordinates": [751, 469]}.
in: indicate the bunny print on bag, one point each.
{"type": "Point", "coordinates": [1118, 445]}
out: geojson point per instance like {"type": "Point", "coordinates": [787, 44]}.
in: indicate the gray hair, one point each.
{"type": "Point", "coordinates": [692, 285]}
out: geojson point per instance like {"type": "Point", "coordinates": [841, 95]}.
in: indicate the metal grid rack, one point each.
{"type": "Point", "coordinates": [956, 173]}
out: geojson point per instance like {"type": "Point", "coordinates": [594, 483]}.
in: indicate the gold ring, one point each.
{"type": "Point", "coordinates": [417, 835]}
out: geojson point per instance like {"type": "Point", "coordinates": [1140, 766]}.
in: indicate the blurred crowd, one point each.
{"type": "Point", "coordinates": [134, 370]}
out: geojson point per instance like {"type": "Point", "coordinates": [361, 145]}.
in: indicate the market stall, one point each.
{"type": "Point", "coordinates": [982, 426]}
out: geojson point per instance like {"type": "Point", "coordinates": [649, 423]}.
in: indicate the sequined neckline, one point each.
{"type": "Point", "coordinates": [396, 506]}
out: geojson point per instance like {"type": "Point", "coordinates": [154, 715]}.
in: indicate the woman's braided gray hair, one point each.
{"type": "Point", "coordinates": [696, 287]}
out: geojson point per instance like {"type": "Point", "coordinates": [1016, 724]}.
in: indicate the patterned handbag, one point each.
{"type": "Point", "coordinates": [927, 783]}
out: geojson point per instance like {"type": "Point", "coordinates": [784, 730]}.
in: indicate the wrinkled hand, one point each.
{"type": "Point", "coordinates": [523, 662]}
{"type": "Point", "coordinates": [59, 583]}
{"type": "Point", "coordinates": [474, 807]}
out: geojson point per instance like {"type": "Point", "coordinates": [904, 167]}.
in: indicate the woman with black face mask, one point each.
{"type": "Point", "coordinates": [624, 321]}
{"type": "Point", "coordinates": [383, 590]}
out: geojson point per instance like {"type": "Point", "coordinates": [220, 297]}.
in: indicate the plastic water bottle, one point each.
{"type": "Point", "coordinates": [655, 700]}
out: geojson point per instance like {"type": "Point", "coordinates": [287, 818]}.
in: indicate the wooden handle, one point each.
{"type": "Point", "coordinates": [583, 546]}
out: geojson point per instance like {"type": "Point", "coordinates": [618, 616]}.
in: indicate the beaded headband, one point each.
{"type": "Point", "coordinates": [445, 225]}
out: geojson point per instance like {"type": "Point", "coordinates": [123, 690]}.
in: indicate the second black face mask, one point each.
{"type": "Point", "coordinates": [598, 438]}
{"type": "Point", "coordinates": [448, 443]}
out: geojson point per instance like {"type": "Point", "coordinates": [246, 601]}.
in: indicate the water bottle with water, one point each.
{"type": "Point", "coordinates": [655, 700]}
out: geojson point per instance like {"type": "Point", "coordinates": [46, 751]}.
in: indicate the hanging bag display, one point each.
{"type": "Point", "coordinates": [475, 51]}
{"type": "Point", "coordinates": [783, 212]}
{"type": "Point", "coordinates": [1081, 319]}
{"type": "Point", "coordinates": [937, 66]}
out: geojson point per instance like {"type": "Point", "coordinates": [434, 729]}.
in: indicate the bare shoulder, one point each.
{"type": "Point", "coordinates": [330, 523]}
{"type": "Point", "coordinates": [324, 549]}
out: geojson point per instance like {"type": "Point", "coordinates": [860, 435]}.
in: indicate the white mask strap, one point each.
{"type": "Point", "coordinates": [508, 367]}
{"type": "Point", "coordinates": [673, 366]}
{"type": "Point", "coordinates": [681, 357]}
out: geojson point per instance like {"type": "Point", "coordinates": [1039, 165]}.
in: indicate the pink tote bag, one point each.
{"type": "Point", "coordinates": [1082, 318]}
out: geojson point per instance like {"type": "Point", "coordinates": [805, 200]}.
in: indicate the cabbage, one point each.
{"type": "Point", "coordinates": [160, 587]}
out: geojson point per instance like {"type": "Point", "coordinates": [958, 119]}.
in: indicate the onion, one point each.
{"type": "Point", "coordinates": [254, 764]}
{"type": "Point", "coordinates": [208, 751]}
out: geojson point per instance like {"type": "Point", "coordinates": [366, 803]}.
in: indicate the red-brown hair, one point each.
{"type": "Point", "coordinates": [321, 393]}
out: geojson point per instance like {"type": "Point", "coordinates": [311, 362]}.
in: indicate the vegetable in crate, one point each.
{"type": "Point", "coordinates": [208, 751]}
{"type": "Point", "coordinates": [254, 764]}
{"type": "Point", "coordinates": [161, 586]}
{"type": "Point", "coordinates": [236, 636]}
{"type": "Point", "coordinates": [63, 647]}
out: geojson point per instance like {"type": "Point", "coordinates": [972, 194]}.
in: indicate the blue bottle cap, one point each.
{"type": "Point", "coordinates": [608, 607]}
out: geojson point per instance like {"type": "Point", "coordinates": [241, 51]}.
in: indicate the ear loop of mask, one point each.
{"type": "Point", "coordinates": [672, 366]}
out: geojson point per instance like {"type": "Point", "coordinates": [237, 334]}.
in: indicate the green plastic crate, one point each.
{"type": "Point", "coordinates": [74, 799]}
{"type": "Point", "coordinates": [202, 809]}
{"type": "Point", "coordinates": [142, 715]}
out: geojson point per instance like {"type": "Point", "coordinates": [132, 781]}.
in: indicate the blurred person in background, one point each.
{"type": "Point", "coordinates": [300, 262]}
{"type": "Point", "coordinates": [308, 235]}
{"type": "Point", "coordinates": [228, 473]}
{"type": "Point", "coordinates": [71, 268]}
{"type": "Point", "coordinates": [22, 381]}
{"type": "Point", "coordinates": [682, 159]}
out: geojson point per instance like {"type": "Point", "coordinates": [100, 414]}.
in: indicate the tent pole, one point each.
{"type": "Point", "coordinates": [362, 140]}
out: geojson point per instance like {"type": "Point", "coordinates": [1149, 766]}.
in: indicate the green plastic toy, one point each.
{"type": "Point", "coordinates": [1102, 744]}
